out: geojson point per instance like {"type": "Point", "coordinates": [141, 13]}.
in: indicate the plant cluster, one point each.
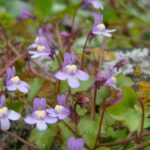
{"type": "Point", "coordinates": [91, 107]}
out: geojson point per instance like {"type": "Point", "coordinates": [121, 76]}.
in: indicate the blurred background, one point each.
{"type": "Point", "coordinates": [129, 17]}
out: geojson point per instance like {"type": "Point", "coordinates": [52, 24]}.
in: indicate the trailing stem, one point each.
{"type": "Point", "coordinates": [98, 137]}
{"type": "Point", "coordinates": [83, 52]}
{"type": "Point", "coordinates": [94, 103]}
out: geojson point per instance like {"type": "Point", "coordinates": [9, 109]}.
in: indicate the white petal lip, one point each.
{"type": "Point", "coordinates": [73, 81]}
{"type": "Point", "coordinates": [12, 115]}
{"type": "Point", "coordinates": [41, 125]}
{"type": "Point", "coordinates": [4, 124]}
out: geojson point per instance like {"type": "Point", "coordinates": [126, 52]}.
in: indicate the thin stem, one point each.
{"type": "Point", "coordinates": [42, 69]}
{"type": "Point", "coordinates": [12, 62]}
{"type": "Point", "coordinates": [101, 58]}
{"type": "Point", "coordinates": [140, 146]}
{"type": "Point", "coordinates": [59, 82]}
{"type": "Point", "coordinates": [83, 52]}
{"type": "Point", "coordinates": [98, 137]}
{"type": "Point", "coordinates": [123, 141]}
{"type": "Point", "coordinates": [29, 144]}
{"type": "Point", "coordinates": [94, 103]}
{"type": "Point", "coordinates": [142, 120]}
{"type": "Point", "coordinates": [74, 16]}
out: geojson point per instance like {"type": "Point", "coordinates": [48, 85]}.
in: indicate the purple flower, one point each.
{"type": "Point", "coordinates": [14, 83]}
{"type": "Point", "coordinates": [69, 58]}
{"type": "Point", "coordinates": [41, 45]}
{"type": "Point", "coordinates": [96, 4]}
{"type": "Point", "coordinates": [99, 27]}
{"type": "Point", "coordinates": [25, 13]}
{"type": "Point", "coordinates": [61, 99]}
{"type": "Point", "coordinates": [72, 74]}
{"type": "Point", "coordinates": [60, 111]}
{"type": "Point", "coordinates": [65, 34]}
{"type": "Point", "coordinates": [6, 115]}
{"type": "Point", "coordinates": [40, 116]}
{"type": "Point", "coordinates": [121, 63]}
{"type": "Point", "coordinates": [75, 144]}
{"type": "Point", "coordinates": [46, 31]}
{"type": "Point", "coordinates": [106, 79]}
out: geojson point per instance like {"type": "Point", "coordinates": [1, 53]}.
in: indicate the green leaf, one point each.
{"type": "Point", "coordinates": [123, 81]}
{"type": "Point", "coordinates": [103, 148]}
{"type": "Point", "coordinates": [132, 120]}
{"type": "Point", "coordinates": [1, 84]}
{"type": "Point", "coordinates": [63, 87]}
{"type": "Point", "coordinates": [44, 139]}
{"type": "Point", "coordinates": [88, 129]}
{"type": "Point", "coordinates": [35, 87]}
{"type": "Point", "coordinates": [84, 85]}
{"type": "Point", "coordinates": [16, 106]}
{"type": "Point", "coordinates": [65, 134]}
{"type": "Point", "coordinates": [118, 110]}
{"type": "Point", "coordinates": [80, 111]}
{"type": "Point", "coordinates": [42, 8]}
{"type": "Point", "coordinates": [102, 94]}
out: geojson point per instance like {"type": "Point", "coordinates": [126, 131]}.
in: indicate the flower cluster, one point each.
{"type": "Point", "coordinates": [41, 45]}
{"type": "Point", "coordinates": [41, 115]}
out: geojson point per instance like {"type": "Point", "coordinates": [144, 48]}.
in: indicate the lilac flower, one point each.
{"type": "Point", "coordinates": [25, 13]}
{"type": "Point", "coordinates": [6, 115]}
{"type": "Point", "coordinates": [75, 144]}
{"type": "Point", "coordinates": [14, 83]}
{"type": "Point", "coordinates": [69, 58]}
{"type": "Point", "coordinates": [41, 45]}
{"type": "Point", "coordinates": [70, 72]}
{"type": "Point", "coordinates": [121, 63]}
{"type": "Point", "coordinates": [40, 116]}
{"type": "Point", "coordinates": [99, 27]}
{"type": "Point", "coordinates": [60, 111]}
{"type": "Point", "coordinates": [96, 4]}
{"type": "Point", "coordinates": [106, 79]}
{"type": "Point", "coordinates": [61, 99]}
{"type": "Point", "coordinates": [46, 31]}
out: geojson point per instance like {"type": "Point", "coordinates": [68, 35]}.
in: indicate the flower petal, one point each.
{"type": "Point", "coordinates": [61, 75]}
{"type": "Point", "coordinates": [50, 120]}
{"type": "Point", "coordinates": [23, 87]}
{"type": "Point", "coordinates": [12, 115]}
{"type": "Point", "coordinates": [11, 86]}
{"type": "Point", "coordinates": [4, 124]}
{"type": "Point", "coordinates": [82, 75]}
{"type": "Point", "coordinates": [73, 81]}
{"type": "Point", "coordinates": [41, 125]}
{"type": "Point", "coordinates": [30, 120]}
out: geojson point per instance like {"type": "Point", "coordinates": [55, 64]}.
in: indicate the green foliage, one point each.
{"type": "Point", "coordinates": [80, 111]}
{"type": "Point", "coordinates": [102, 94]}
{"type": "Point", "coordinates": [84, 85]}
{"type": "Point", "coordinates": [88, 129]}
{"type": "Point", "coordinates": [1, 84]}
{"type": "Point", "coordinates": [44, 139]}
{"type": "Point", "coordinates": [65, 134]}
{"type": "Point", "coordinates": [123, 81]}
{"type": "Point", "coordinates": [16, 106]}
{"type": "Point", "coordinates": [35, 87]}
{"type": "Point", "coordinates": [118, 110]}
